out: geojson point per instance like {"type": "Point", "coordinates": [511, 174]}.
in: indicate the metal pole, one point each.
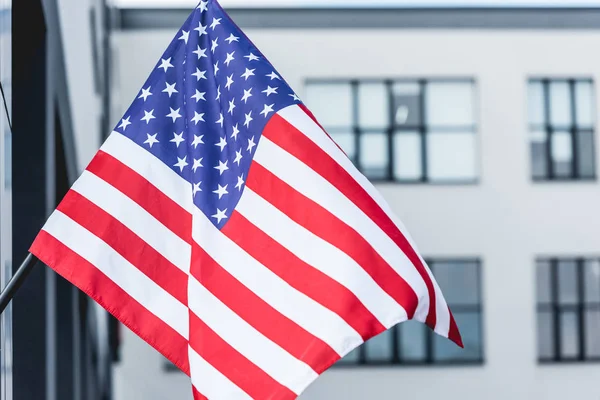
{"type": "Point", "coordinates": [16, 281]}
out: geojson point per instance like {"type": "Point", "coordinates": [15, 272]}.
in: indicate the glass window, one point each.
{"type": "Point", "coordinates": [411, 342]}
{"type": "Point", "coordinates": [568, 299]}
{"type": "Point", "coordinates": [430, 126]}
{"type": "Point", "coordinates": [561, 124]}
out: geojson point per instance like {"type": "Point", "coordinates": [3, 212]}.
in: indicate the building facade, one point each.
{"type": "Point", "coordinates": [479, 127]}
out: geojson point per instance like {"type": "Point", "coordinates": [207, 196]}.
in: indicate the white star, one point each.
{"type": "Point", "coordinates": [170, 89]}
{"type": "Point", "coordinates": [218, 92]}
{"type": "Point", "coordinates": [235, 132]}
{"type": "Point", "coordinates": [151, 139]}
{"type": "Point", "coordinates": [185, 35]}
{"type": "Point", "coordinates": [197, 141]}
{"type": "Point", "coordinates": [251, 57]}
{"type": "Point", "coordinates": [196, 189]}
{"type": "Point", "coordinates": [232, 38]}
{"type": "Point", "coordinates": [231, 106]}
{"type": "Point", "coordinates": [273, 75]}
{"type": "Point", "coordinates": [216, 68]}
{"type": "Point", "coordinates": [148, 116]}
{"type": "Point", "coordinates": [221, 191]}
{"type": "Point", "coordinates": [267, 110]}
{"type": "Point", "coordinates": [269, 90]}
{"type": "Point", "coordinates": [203, 6]}
{"type": "Point", "coordinates": [174, 114]}
{"type": "Point", "coordinates": [198, 117]}
{"type": "Point", "coordinates": [124, 123]}
{"type": "Point", "coordinates": [246, 95]}
{"type": "Point", "coordinates": [251, 144]}
{"type": "Point", "coordinates": [197, 164]}
{"type": "Point", "coordinates": [240, 182]}
{"type": "Point", "coordinates": [220, 120]}
{"type": "Point", "coordinates": [222, 167]}
{"type": "Point", "coordinates": [220, 215]}
{"type": "Point", "coordinates": [248, 119]}
{"type": "Point", "coordinates": [200, 52]}
{"type": "Point", "coordinates": [229, 58]}
{"type": "Point", "coordinates": [229, 82]}
{"type": "Point", "coordinates": [199, 96]}
{"type": "Point", "coordinates": [181, 163]}
{"type": "Point", "coordinates": [145, 93]}
{"type": "Point", "coordinates": [199, 74]}
{"type": "Point", "coordinates": [216, 21]}
{"type": "Point", "coordinates": [248, 73]}
{"type": "Point", "coordinates": [295, 97]}
{"type": "Point", "coordinates": [238, 157]}
{"type": "Point", "coordinates": [177, 139]}
{"type": "Point", "coordinates": [201, 29]}
{"type": "Point", "coordinates": [165, 64]}
{"type": "Point", "coordinates": [214, 45]}
{"type": "Point", "coordinates": [222, 143]}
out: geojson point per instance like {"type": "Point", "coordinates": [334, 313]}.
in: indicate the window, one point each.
{"type": "Point", "coordinates": [568, 309]}
{"type": "Point", "coordinates": [412, 343]}
{"type": "Point", "coordinates": [561, 129]}
{"type": "Point", "coordinates": [405, 131]}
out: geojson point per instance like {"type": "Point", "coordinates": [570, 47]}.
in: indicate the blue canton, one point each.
{"type": "Point", "coordinates": [204, 107]}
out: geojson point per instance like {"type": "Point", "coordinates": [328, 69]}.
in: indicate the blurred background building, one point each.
{"type": "Point", "coordinates": [476, 120]}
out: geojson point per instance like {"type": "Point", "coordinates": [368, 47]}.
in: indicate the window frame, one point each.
{"type": "Point", "coordinates": [550, 129]}
{"type": "Point", "coordinates": [422, 128]}
{"type": "Point", "coordinates": [429, 360]}
{"type": "Point", "coordinates": [556, 310]}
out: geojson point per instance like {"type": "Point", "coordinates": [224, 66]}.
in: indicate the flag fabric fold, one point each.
{"type": "Point", "coordinates": [222, 225]}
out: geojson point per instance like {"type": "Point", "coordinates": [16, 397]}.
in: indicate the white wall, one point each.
{"type": "Point", "coordinates": [505, 219]}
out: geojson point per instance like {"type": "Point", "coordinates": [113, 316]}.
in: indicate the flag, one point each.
{"type": "Point", "coordinates": [221, 224]}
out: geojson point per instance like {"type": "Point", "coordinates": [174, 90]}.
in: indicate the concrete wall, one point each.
{"type": "Point", "coordinates": [505, 219]}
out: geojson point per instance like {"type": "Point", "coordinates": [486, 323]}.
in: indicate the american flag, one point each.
{"type": "Point", "coordinates": [222, 225]}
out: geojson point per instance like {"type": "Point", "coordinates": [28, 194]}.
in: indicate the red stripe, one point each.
{"type": "Point", "coordinates": [329, 228]}
{"type": "Point", "coordinates": [254, 310]}
{"type": "Point", "coordinates": [148, 196]}
{"type": "Point", "coordinates": [302, 276]}
{"type": "Point", "coordinates": [198, 395]}
{"type": "Point", "coordinates": [237, 368]}
{"type": "Point", "coordinates": [115, 300]}
{"type": "Point", "coordinates": [286, 136]}
{"type": "Point", "coordinates": [135, 250]}
{"type": "Point", "coordinates": [453, 333]}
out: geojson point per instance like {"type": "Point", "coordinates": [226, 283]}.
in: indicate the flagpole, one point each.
{"type": "Point", "coordinates": [16, 281]}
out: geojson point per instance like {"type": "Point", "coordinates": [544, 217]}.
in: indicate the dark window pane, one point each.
{"type": "Point", "coordinates": [539, 154]}
{"type": "Point", "coordinates": [380, 348]}
{"type": "Point", "coordinates": [407, 104]}
{"type": "Point", "coordinates": [592, 333]}
{"type": "Point", "coordinates": [562, 154]}
{"type": "Point", "coordinates": [331, 103]}
{"type": "Point", "coordinates": [470, 329]}
{"type": "Point", "coordinates": [585, 155]}
{"type": "Point", "coordinates": [545, 329]}
{"type": "Point", "coordinates": [407, 156]}
{"type": "Point", "coordinates": [458, 281]}
{"type": "Point", "coordinates": [347, 141]}
{"type": "Point", "coordinates": [569, 332]}
{"type": "Point", "coordinates": [351, 358]}
{"type": "Point", "coordinates": [567, 282]}
{"type": "Point", "coordinates": [591, 280]}
{"type": "Point", "coordinates": [411, 339]}
{"type": "Point", "coordinates": [373, 106]}
{"type": "Point", "coordinates": [374, 154]}
{"type": "Point", "coordinates": [543, 282]}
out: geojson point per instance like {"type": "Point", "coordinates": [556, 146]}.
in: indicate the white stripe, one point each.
{"type": "Point", "coordinates": [120, 271]}
{"type": "Point", "coordinates": [134, 217]}
{"type": "Point", "coordinates": [301, 121]}
{"type": "Point", "coordinates": [210, 382]}
{"type": "Point", "coordinates": [258, 349]}
{"type": "Point", "coordinates": [314, 318]}
{"type": "Point", "coordinates": [312, 185]}
{"type": "Point", "coordinates": [322, 256]}
{"type": "Point", "coordinates": [150, 167]}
